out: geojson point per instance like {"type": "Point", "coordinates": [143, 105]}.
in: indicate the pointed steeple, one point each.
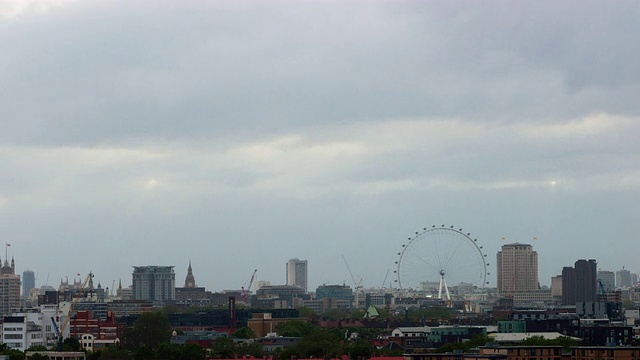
{"type": "Point", "coordinates": [189, 281]}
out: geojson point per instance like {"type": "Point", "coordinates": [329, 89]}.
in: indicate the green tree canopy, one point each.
{"type": "Point", "coordinates": [223, 348]}
{"type": "Point", "coordinates": [244, 332]}
{"type": "Point", "coordinates": [150, 329]}
{"type": "Point", "coordinates": [296, 328]}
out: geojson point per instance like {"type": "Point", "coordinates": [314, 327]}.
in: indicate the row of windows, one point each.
{"type": "Point", "coordinates": [535, 352]}
{"type": "Point", "coordinates": [13, 336]}
{"type": "Point", "coordinates": [13, 329]}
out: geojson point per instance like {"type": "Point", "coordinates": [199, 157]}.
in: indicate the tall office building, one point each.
{"type": "Point", "coordinates": [586, 280]}
{"type": "Point", "coordinates": [517, 266]}
{"type": "Point", "coordinates": [297, 273]}
{"type": "Point", "coordinates": [155, 283]}
{"type": "Point", "coordinates": [28, 282]}
{"type": "Point", "coordinates": [9, 288]}
{"type": "Point", "coordinates": [556, 286]}
{"type": "Point", "coordinates": [623, 278]}
{"type": "Point", "coordinates": [580, 282]}
{"type": "Point", "coordinates": [568, 285]}
{"type": "Point", "coordinates": [608, 279]}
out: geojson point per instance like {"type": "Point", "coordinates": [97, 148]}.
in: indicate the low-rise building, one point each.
{"type": "Point", "coordinates": [58, 355]}
{"type": "Point", "coordinates": [33, 327]}
{"type": "Point", "coordinates": [525, 352]}
{"type": "Point", "coordinates": [605, 353]}
{"type": "Point", "coordinates": [121, 308]}
{"type": "Point", "coordinates": [89, 342]}
{"type": "Point", "coordinates": [86, 323]}
{"type": "Point", "coordinates": [263, 324]}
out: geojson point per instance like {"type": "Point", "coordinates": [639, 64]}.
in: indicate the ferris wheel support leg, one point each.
{"type": "Point", "coordinates": [446, 288]}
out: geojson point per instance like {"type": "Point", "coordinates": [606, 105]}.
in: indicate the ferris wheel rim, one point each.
{"type": "Point", "coordinates": [466, 237]}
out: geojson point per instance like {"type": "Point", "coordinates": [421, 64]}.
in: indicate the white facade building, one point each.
{"type": "Point", "coordinates": [32, 328]}
{"type": "Point", "coordinates": [297, 273]}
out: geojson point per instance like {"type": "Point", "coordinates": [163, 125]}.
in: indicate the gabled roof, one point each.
{"type": "Point", "coordinates": [371, 312]}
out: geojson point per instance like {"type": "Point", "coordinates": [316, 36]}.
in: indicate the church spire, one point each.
{"type": "Point", "coordinates": [190, 281]}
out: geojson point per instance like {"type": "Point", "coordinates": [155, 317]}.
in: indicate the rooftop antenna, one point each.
{"type": "Point", "coordinates": [6, 246]}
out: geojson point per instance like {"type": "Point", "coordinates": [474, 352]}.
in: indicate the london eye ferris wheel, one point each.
{"type": "Point", "coordinates": [441, 257]}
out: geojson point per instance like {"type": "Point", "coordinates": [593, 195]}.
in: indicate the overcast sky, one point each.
{"type": "Point", "coordinates": [239, 134]}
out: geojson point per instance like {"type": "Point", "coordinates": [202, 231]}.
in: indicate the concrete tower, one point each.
{"type": "Point", "coordinates": [297, 273]}
{"type": "Point", "coordinates": [155, 283]}
{"type": "Point", "coordinates": [517, 266]}
{"type": "Point", "coordinates": [10, 285]}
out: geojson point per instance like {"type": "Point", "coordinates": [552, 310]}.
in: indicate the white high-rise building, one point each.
{"type": "Point", "coordinates": [297, 273]}
{"type": "Point", "coordinates": [155, 283]}
{"type": "Point", "coordinates": [517, 266]}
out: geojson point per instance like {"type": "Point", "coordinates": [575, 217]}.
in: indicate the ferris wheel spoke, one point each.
{"type": "Point", "coordinates": [438, 250]}
{"type": "Point", "coordinates": [454, 252]}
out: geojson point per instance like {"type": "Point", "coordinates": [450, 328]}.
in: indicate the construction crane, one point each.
{"type": "Point", "coordinates": [356, 283]}
{"type": "Point", "coordinates": [358, 287]}
{"type": "Point", "coordinates": [60, 330]}
{"type": "Point", "coordinates": [245, 293]}
{"type": "Point", "coordinates": [385, 280]}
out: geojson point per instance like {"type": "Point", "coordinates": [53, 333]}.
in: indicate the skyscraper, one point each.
{"type": "Point", "coordinates": [568, 285]}
{"type": "Point", "coordinates": [608, 279]}
{"type": "Point", "coordinates": [623, 278]}
{"type": "Point", "coordinates": [28, 282]}
{"type": "Point", "coordinates": [517, 269]}
{"type": "Point", "coordinates": [580, 282]}
{"type": "Point", "coordinates": [297, 273]}
{"type": "Point", "coordinates": [9, 288]}
{"type": "Point", "coordinates": [155, 283]}
{"type": "Point", "coordinates": [586, 280]}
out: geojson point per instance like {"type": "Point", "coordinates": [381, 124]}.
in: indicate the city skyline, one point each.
{"type": "Point", "coordinates": [180, 273]}
{"type": "Point", "coordinates": [239, 136]}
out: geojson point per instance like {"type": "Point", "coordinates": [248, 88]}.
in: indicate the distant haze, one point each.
{"type": "Point", "coordinates": [241, 134]}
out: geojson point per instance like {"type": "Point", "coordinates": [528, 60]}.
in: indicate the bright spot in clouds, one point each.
{"type": "Point", "coordinates": [10, 9]}
{"type": "Point", "coordinates": [151, 183]}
